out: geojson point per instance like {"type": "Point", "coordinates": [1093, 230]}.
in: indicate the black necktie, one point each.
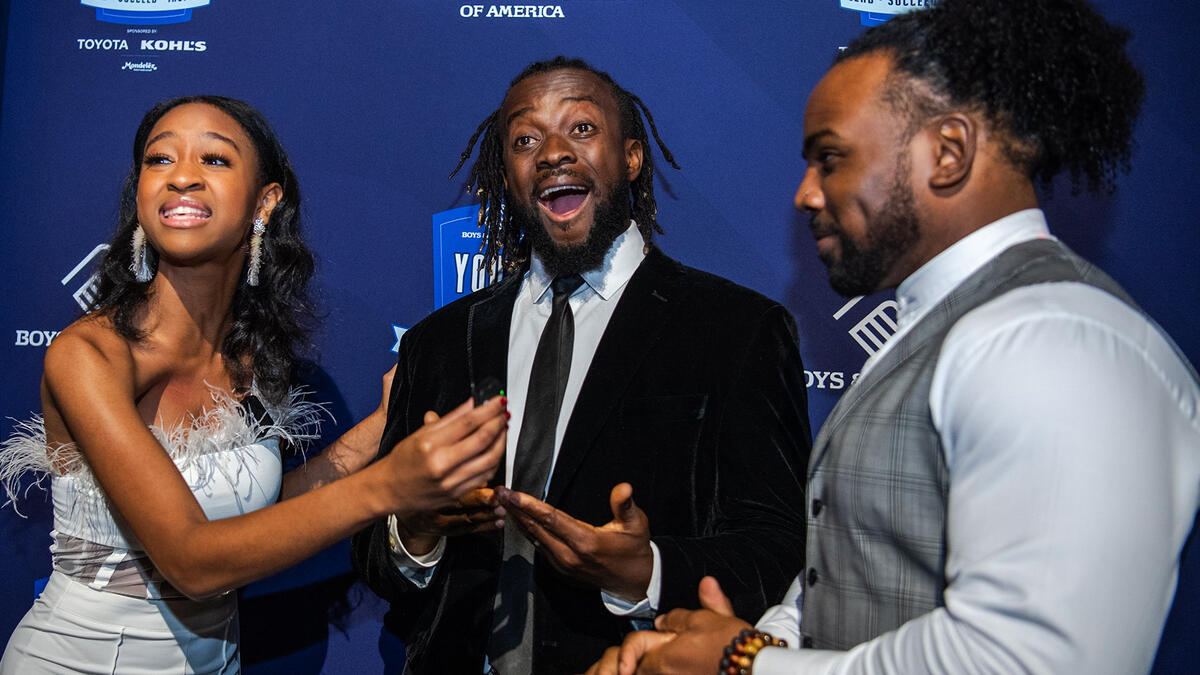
{"type": "Point", "coordinates": [509, 650]}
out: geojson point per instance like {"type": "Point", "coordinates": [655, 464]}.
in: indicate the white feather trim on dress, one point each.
{"type": "Point", "coordinates": [227, 425]}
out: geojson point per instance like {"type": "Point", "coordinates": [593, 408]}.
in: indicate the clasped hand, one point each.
{"type": "Point", "coordinates": [686, 641]}
{"type": "Point", "coordinates": [476, 511]}
{"type": "Point", "coordinates": [615, 557]}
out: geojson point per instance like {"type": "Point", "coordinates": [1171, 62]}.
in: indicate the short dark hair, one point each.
{"type": "Point", "coordinates": [1052, 75]}
{"type": "Point", "coordinates": [270, 320]}
{"type": "Point", "coordinates": [505, 245]}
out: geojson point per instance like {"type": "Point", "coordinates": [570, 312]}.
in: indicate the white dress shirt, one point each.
{"type": "Point", "coordinates": [1072, 439]}
{"type": "Point", "coordinates": [592, 305]}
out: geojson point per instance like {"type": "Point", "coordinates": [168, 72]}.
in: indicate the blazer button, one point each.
{"type": "Point", "coordinates": [817, 505]}
{"type": "Point", "coordinates": [807, 642]}
{"type": "Point", "coordinates": [812, 576]}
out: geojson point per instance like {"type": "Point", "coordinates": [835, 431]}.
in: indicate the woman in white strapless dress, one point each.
{"type": "Point", "coordinates": [165, 407]}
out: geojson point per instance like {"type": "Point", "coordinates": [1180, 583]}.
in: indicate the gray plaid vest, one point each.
{"type": "Point", "coordinates": [877, 477]}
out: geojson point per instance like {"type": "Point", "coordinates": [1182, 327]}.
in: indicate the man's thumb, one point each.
{"type": "Point", "coordinates": [712, 597]}
{"type": "Point", "coordinates": [621, 501]}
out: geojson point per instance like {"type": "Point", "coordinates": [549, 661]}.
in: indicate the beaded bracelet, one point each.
{"type": "Point", "coordinates": [741, 651]}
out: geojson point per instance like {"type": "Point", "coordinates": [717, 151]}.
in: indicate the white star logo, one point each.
{"type": "Point", "coordinates": [400, 331]}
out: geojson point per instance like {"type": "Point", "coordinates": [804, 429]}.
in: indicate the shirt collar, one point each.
{"type": "Point", "coordinates": [935, 279]}
{"type": "Point", "coordinates": [618, 266]}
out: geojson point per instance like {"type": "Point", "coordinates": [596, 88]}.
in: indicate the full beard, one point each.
{"type": "Point", "coordinates": [610, 217]}
{"type": "Point", "coordinates": [861, 270]}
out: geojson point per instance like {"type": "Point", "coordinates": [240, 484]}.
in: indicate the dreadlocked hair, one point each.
{"type": "Point", "coordinates": [1051, 75]}
{"type": "Point", "coordinates": [270, 320]}
{"type": "Point", "coordinates": [505, 247]}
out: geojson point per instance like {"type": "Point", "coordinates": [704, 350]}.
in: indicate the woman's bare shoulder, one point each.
{"type": "Point", "coordinates": [88, 348]}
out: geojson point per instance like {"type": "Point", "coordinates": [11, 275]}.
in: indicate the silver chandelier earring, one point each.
{"type": "Point", "coordinates": [255, 252]}
{"type": "Point", "coordinates": [143, 256]}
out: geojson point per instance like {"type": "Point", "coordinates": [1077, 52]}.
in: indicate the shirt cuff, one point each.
{"type": "Point", "coordinates": [418, 569]}
{"type": "Point", "coordinates": [783, 620]}
{"type": "Point", "coordinates": [645, 608]}
{"type": "Point", "coordinates": [781, 661]}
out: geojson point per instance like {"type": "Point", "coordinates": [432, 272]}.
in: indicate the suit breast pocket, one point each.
{"type": "Point", "coordinates": [662, 435]}
{"type": "Point", "coordinates": [665, 427]}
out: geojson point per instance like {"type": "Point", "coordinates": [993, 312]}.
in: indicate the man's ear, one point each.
{"type": "Point", "coordinates": [633, 158]}
{"type": "Point", "coordinates": [955, 137]}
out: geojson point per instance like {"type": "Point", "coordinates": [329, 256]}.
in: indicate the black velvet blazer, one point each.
{"type": "Point", "coordinates": [695, 396]}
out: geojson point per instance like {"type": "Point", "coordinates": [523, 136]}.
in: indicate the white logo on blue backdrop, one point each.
{"type": "Point", "coordinates": [400, 331]}
{"type": "Point", "coordinates": [457, 261]}
{"type": "Point", "coordinates": [875, 12]}
{"type": "Point", "coordinates": [85, 293]}
{"type": "Point", "coordinates": [145, 12]}
{"type": "Point", "coordinates": [511, 11]}
{"type": "Point", "coordinates": [871, 332]}
{"type": "Point", "coordinates": [874, 329]}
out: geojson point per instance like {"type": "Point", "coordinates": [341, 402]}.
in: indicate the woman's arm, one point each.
{"type": "Point", "coordinates": [89, 384]}
{"type": "Point", "coordinates": [350, 452]}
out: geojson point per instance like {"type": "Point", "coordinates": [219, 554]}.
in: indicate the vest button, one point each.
{"type": "Point", "coordinates": [812, 576]}
{"type": "Point", "coordinates": [817, 505]}
{"type": "Point", "coordinates": [807, 642]}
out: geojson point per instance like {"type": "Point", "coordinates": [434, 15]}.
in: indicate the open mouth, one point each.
{"type": "Point", "coordinates": [184, 214]}
{"type": "Point", "coordinates": [563, 201]}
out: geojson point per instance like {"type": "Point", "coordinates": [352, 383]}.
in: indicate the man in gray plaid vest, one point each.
{"type": "Point", "coordinates": [1009, 484]}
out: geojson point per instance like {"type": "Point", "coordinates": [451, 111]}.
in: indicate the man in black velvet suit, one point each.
{"type": "Point", "coordinates": [684, 390]}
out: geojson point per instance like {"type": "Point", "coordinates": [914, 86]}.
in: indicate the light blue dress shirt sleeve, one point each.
{"type": "Point", "coordinates": [1072, 440]}
{"type": "Point", "coordinates": [645, 608]}
{"type": "Point", "coordinates": [418, 569]}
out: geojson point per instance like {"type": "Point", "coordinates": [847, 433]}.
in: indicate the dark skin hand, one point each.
{"type": "Point", "coordinates": [615, 557]}
{"type": "Point", "coordinates": [687, 641]}
{"type": "Point", "coordinates": [476, 511]}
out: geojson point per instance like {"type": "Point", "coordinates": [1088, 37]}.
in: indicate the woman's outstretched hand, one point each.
{"type": "Point", "coordinates": [448, 457]}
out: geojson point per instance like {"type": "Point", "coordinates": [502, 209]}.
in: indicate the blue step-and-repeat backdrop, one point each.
{"type": "Point", "coordinates": [375, 99]}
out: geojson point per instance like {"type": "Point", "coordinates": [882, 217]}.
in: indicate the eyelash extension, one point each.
{"type": "Point", "coordinates": [211, 157]}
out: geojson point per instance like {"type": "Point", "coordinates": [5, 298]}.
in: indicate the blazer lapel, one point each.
{"type": "Point", "coordinates": [488, 323]}
{"type": "Point", "coordinates": [635, 326]}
